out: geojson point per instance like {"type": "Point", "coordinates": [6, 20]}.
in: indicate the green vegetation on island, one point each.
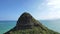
{"type": "Point", "coordinates": [26, 24]}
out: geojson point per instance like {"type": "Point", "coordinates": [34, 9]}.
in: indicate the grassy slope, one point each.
{"type": "Point", "coordinates": [37, 27]}
{"type": "Point", "coordinates": [34, 30]}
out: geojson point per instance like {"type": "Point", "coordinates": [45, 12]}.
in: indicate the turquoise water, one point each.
{"type": "Point", "coordinates": [51, 24]}
{"type": "Point", "coordinates": [6, 25]}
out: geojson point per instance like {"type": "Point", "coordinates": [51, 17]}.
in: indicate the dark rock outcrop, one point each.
{"type": "Point", "coordinates": [26, 23]}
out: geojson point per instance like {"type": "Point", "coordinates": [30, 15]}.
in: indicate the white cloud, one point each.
{"type": "Point", "coordinates": [53, 9]}
{"type": "Point", "coordinates": [49, 9]}
{"type": "Point", "coordinates": [54, 3]}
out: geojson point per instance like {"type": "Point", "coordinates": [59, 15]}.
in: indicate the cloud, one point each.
{"type": "Point", "coordinates": [54, 3]}
{"type": "Point", "coordinates": [52, 9]}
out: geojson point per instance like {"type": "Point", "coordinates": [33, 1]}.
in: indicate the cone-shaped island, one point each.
{"type": "Point", "coordinates": [26, 24]}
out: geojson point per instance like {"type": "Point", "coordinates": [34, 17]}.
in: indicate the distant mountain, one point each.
{"type": "Point", "coordinates": [26, 24]}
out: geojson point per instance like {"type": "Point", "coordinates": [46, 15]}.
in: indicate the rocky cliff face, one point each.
{"type": "Point", "coordinates": [26, 21]}
{"type": "Point", "coordinates": [26, 24]}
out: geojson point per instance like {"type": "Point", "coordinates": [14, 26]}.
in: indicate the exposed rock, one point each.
{"type": "Point", "coordinates": [26, 23]}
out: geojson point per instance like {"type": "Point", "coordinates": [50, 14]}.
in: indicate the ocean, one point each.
{"type": "Point", "coordinates": [51, 24]}
{"type": "Point", "coordinates": [6, 25]}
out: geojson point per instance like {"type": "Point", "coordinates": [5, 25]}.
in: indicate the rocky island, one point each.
{"type": "Point", "coordinates": [26, 24]}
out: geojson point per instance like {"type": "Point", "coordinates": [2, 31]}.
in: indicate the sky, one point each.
{"type": "Point", "coordinates": [39, 9]}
